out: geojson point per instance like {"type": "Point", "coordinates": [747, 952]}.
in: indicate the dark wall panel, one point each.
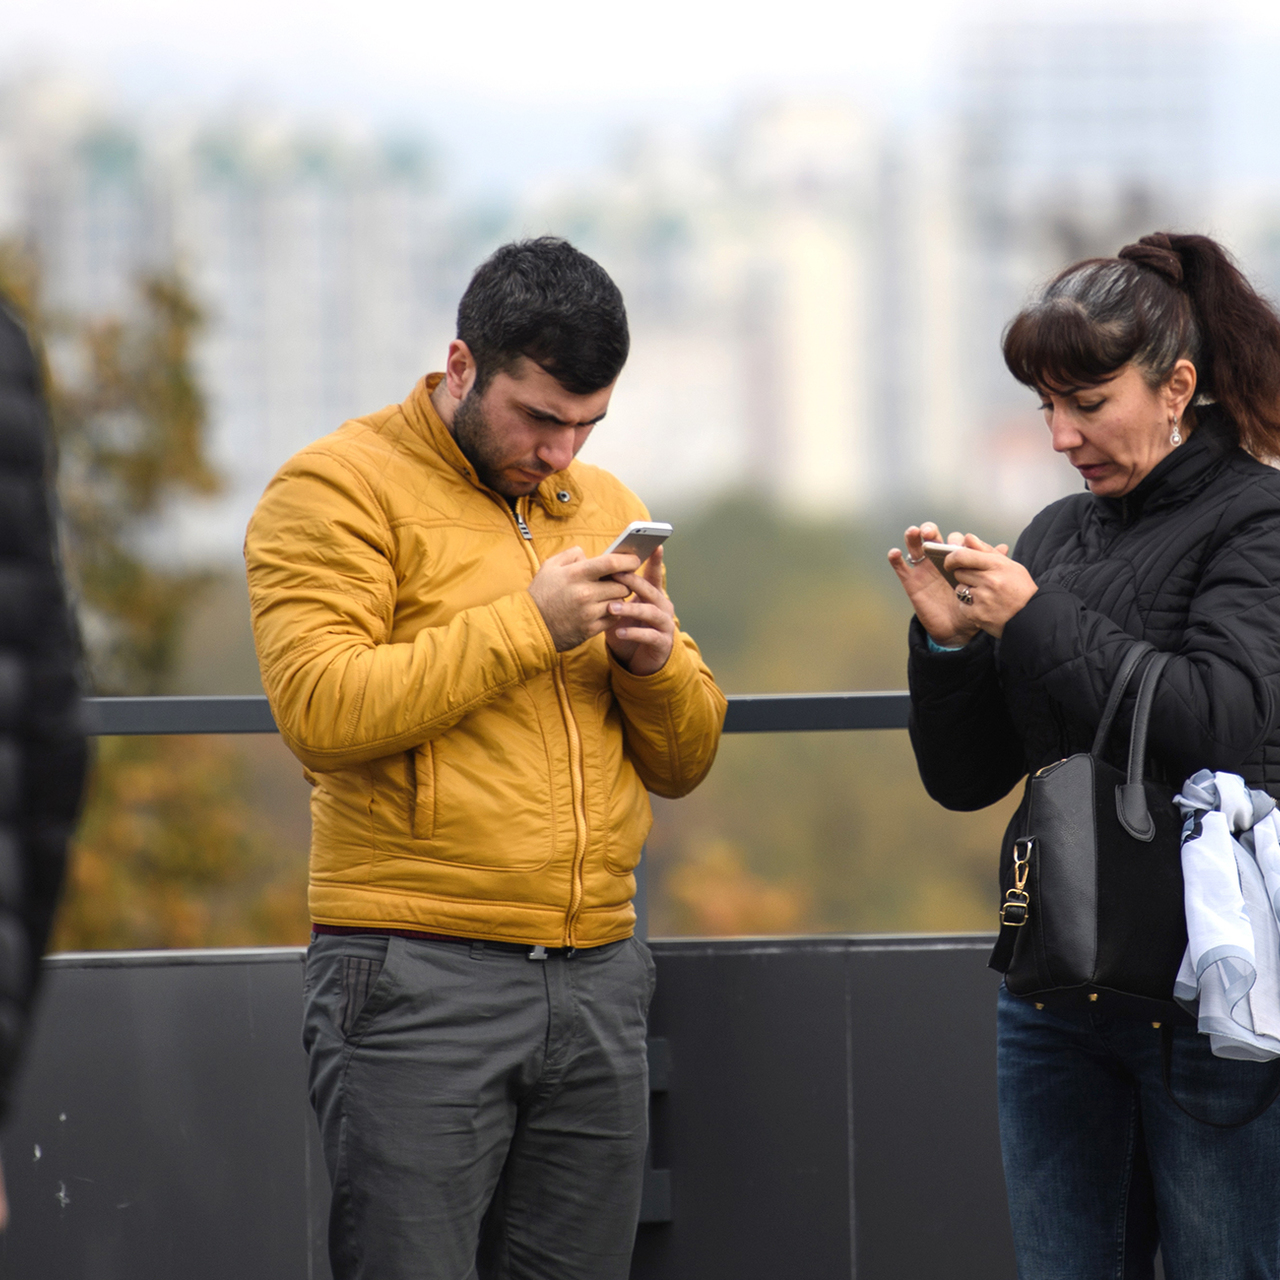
{"type": "Point", "coordinates": [828, 1112]}
{"type": "Point", "coordinates": [162, 1130]}
{"type": "Point", "coordinates": [752, 1126]}
{"type": "Point", "coordinates": [927, 1177]}
{"type": "Point", "coordinates": [831, 1112]}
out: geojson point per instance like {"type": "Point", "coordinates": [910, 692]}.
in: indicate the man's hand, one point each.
{"type": "Point", "coordinates": [573, 594]}
{"type": "Point", "coordinates": [642, 629]}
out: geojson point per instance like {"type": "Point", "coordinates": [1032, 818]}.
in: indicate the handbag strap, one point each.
{"type": "Point", "coordinates": [1142, 716]}
{"type": "Point", "coordinates": [1131, 796]}
{"type": "Point", "coordinates": [1128, 665]}
{"type": "Point", "coordinates": [1166, 1070]}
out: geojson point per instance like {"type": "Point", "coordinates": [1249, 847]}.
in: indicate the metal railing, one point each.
{"type": "Point", "coordinates": [748, 713]}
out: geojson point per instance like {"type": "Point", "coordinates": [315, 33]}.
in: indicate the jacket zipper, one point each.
{"type": "Point", "coordinates": [576, 763]}
{"type": "Point", "coordinates": [579, 808]}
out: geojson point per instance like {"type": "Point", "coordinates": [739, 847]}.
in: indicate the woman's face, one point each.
{"type": "Point", "coordinates": [1115, 432]}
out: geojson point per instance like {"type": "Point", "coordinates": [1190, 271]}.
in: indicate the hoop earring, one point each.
{"type": "Point", "coordinates": [1175, 438]}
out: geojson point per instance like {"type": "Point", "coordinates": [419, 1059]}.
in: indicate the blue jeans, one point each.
{"type": "Point", "coordinates": [1101, 1166]}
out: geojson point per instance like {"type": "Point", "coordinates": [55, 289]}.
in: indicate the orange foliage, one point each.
{"type": "Point", "coordinates": [170, 855]}
{"type": "Point", "coordinates": [718, 895]}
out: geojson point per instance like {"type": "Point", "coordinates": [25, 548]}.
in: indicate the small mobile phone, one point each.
{"type": "Point", "coordinates": [938, 552]}
{"type": "Point", "coordinates": [641, 538]}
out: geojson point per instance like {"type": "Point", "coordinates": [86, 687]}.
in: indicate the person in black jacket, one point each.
{"type": "Point", "coordinates": [1159, 378]}
{"type": "Point", "coordinates": [43, 752]}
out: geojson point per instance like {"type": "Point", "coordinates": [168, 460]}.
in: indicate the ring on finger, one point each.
{"type": "Point", "coordinates": [964, 595]}
{"type": "Point", "coordinates": [915, 560]}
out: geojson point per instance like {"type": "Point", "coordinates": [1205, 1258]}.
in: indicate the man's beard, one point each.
{"type": "Point", "coordinates": [475, 438]}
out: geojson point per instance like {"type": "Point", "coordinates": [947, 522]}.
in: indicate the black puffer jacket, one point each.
{"type": "Point", "coordinates": [1190, 561]}
{"type": "Point", "coordinates": [42, 745]}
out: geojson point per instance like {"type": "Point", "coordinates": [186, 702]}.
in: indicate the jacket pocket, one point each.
{"type": "Point", "coordinates": [628, 816]}
{"type": "Point", "coordinates": [422, 791]}
{"type": "Point", "coordinates": [495, 804]}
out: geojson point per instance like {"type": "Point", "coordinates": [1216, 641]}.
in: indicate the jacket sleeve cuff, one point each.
{"type": "Point", "coordinates": [526, 633]}
{"type": "Point", "coordinates": [938, 670]}
{"type": "Point", "coordinates": [678, 669]}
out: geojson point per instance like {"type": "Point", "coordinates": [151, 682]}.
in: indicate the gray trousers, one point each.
{"type": "Point", "coordinates": [482, 1114]}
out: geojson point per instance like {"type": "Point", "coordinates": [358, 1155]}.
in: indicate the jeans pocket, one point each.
{"type": "Point", "coordinates": [650, 968]}
{"type": "Point", "coordinates": [359, 974]}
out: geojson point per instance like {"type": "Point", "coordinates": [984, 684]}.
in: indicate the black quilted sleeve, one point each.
{"type": "Point", "coordinates": [43, 752]}
{"type": "Point", "coordinates": [967, 750]}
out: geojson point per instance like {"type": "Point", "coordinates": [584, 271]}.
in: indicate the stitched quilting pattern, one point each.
{"type": "Point", "coordinates": [1190, 561]}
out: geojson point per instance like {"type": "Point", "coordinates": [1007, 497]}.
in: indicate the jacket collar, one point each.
{"type": "Point", "coordinates": [1182, 474]}
{"type": "Point", "coordinates": [559, 494]}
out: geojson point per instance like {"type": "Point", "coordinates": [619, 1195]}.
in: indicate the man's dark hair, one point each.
{"type": "Point", "coordinates": [545, 300]}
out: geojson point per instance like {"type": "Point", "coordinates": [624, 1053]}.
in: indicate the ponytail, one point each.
{"type": "Point", "coordinates": [1166, 298]}
{"type": "Point", "coordinates": [1239, 363]}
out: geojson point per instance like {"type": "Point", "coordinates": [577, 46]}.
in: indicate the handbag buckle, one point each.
{"type": "Point", "coordinates": [1017, 901]}
{"type": "Point", "coordinates": [1016, 908]}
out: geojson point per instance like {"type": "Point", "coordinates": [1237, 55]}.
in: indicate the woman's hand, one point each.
{"type": "Point", "coordinates": [993, 587]}
{"type": "Point", "coordinates": [933, 598]}
{"type": "Point", "coordinates": [997, 586]}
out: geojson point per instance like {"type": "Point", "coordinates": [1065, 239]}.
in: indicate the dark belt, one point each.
{"type": "Point", "coordinates": [525, 949]}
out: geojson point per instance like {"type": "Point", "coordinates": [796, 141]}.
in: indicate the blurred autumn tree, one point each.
{"type": "Point", "coordinates": [170, 852]}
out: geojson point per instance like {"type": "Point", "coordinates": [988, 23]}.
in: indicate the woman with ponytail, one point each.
{"type": "Point", "coordinates": [1158, 373]}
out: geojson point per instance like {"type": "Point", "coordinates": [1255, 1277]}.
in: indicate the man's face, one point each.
{"type": "Point", "coordinates": [524, 427]}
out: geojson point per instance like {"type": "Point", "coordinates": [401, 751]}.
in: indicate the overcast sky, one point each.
{"type": "Point", "coordinates": [565, 51]}
{"type": "Point", "coordinates": [504, 74]}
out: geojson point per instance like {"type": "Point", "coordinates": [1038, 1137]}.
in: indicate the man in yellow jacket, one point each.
{"type": "Point", "coordinates": [482, 701]}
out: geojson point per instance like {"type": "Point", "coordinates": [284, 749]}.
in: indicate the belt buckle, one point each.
{"type": "Point", "coordinates": [542, 953]}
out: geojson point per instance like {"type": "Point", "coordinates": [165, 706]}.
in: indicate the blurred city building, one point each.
{"type": "Point", "coordinates": [320, 259]}
{"type": "Point", "coordinates": [324, 262]}
{"type": "Point", "coordinates": [1076, 136]}
{"type": "Point", "coordinates": [791, 282]}
{"type": "Point", "coordinates": [817, 290]}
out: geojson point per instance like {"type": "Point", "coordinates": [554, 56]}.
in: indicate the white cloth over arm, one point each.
{"type": "Point", "coordinates": [1230, 974]}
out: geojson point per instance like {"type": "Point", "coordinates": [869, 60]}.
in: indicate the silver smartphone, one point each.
{"type": "Point", "coordinates": [938, 552]}
{"type": "Point", "coordinates": [641, 538]}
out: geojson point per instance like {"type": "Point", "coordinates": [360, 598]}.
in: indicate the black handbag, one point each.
{"type": "Point", "coordinates": [1095, 907]}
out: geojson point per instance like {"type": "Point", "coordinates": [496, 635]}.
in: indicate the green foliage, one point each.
{"type": "Point", "coordinates": [783, 606]}
{"type": "Point", "coordinates": [812, 832]}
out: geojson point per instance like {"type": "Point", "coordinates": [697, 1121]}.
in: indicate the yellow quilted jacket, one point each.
{"type": "Point", "coordinates": [467, 779]}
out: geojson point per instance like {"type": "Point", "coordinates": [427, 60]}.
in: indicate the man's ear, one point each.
{"type": "Point", "coordinates": [459, 370]}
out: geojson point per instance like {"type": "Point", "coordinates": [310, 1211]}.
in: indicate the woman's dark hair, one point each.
{"type": "Point", "coordinates": [546, 300]}
{"type": "Point", "coordinates": [1166, 298]}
